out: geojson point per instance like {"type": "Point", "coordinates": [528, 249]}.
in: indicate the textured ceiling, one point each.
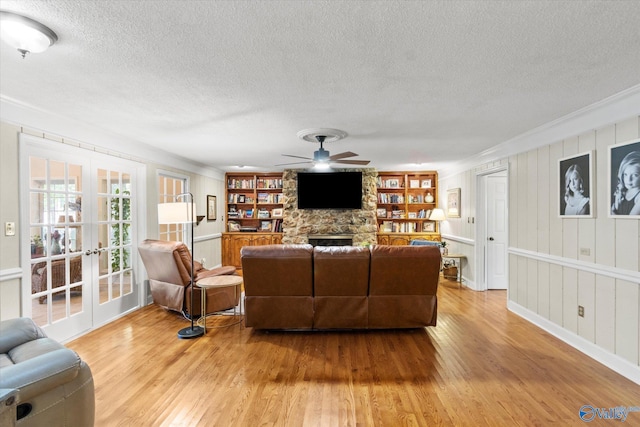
{"type": "Point", "coordinates": [231, 82]}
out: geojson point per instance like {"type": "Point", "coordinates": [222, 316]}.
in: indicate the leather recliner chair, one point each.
{"type": "Point", "coordinates": [168, 266]}
{"type": "Point", "coordinates": [54, 386]}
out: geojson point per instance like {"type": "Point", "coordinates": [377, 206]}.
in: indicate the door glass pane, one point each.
{"type": "Point", "coordinates": [56, 239]}
{"type": "Point", "coordinates": [115, 286]}
{"type": "Point", "coordinates": [104, 289]}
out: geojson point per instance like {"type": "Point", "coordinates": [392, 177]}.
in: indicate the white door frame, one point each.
{"type": "Point", "coordinates": [140, 213]}
{"type": "Point", "coordinates": [481, 226]}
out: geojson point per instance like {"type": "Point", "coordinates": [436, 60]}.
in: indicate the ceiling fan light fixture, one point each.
{"type": "Point", "coordinates": [25, 34]}
{"type": "Point", "coordinates": [321, 165]}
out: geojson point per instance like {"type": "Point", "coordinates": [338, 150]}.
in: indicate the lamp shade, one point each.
{"type": "Point", "coordinates": [437, 215]}
{"type": "Point", "coordinates": [176, 213]}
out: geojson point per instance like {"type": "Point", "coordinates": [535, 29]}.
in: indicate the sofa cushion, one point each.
{"type": "Point", "coordinates": [340, 270]}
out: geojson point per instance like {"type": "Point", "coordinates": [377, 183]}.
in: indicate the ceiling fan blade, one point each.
{"type": "Point", "coordinates": [294, 163]}
{"type": "Point", "coordinates": [298, 157]}
{"type": "Point", "coordinates": [352, 162]}
{"type": "Point", "coordinates": [342, 155]}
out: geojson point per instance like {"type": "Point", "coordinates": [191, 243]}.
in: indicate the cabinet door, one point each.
{"type": "Point", "coordinates": [400, 240]}
{"type": "Point", "coordinates": [383, 239]}
{"type": "Point", "coordinates": [227, 250]}
{"type": "Point", "coordinates": [238, 242]}
{"type": "Point", "coordinates": [276, 239]}
{"type": "Point", "coordinates": [261, 240]}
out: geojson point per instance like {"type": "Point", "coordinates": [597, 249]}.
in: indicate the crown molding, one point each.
{"type": "Point", "coordinates": [87, 136]}
{"type": "Point", "coordinates": [610, 110]}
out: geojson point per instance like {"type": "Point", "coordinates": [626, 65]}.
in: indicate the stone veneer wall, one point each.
{"type": "Point", "coordinates": [297, 224]}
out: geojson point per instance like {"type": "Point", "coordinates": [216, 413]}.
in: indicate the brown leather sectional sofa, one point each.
{"type": "Point", "coordinates": [340, 287]}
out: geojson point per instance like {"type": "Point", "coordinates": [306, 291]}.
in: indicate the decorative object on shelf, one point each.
{"type": "Point", "coordinates": [453, 203]}
{"type": "Point", "coordinates": [212, 208]}
{"type": "Point", "coordinates": [426, 183]}
{"type": "Point", "coordinates": [276, 213]}
{"type": "Point", "coordinates": [624, 161]}
{"type": "Point", "coordinates": [443, 248]}
{"type": "Point", "coordinates": [183, 213]}
{"type": "Point", "coordinates": [25, 34]}
{"type": "Point", "coordinates": [429, 198]}
{"type": "Point", "coordinates": [429, 227]}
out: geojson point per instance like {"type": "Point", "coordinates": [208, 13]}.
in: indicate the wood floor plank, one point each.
{"type": "Point", "coordinates": [480, 366]}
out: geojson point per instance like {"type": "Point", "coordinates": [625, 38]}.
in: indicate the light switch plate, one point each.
{"type": "Point", "coordinates": [9, 228]}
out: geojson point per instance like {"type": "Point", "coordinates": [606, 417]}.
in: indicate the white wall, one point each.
{"type": "Point", "coordinates": [548, 275]}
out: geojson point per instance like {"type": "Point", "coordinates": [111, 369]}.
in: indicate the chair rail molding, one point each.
{"type": "Point", "coordinates": [603, 270]}
{"type": "Point", "coordinates": [10, 274]}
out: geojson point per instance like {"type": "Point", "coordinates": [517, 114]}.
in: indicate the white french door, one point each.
{"type": "Point", "coordinates": [78, 266]}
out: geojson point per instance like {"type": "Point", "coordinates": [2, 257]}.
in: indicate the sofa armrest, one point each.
{"type": "Point", "coordinates": [41, 373]}
{"type": "Point", "coordinates": [15, 332]}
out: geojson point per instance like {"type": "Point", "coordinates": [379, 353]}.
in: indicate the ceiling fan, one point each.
{"type": "Point", "coordinates": [323, 156]}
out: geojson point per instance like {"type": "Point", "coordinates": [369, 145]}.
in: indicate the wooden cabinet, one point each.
{"type": "Point", "coordinates": [234, 241]}
{"type": "Point", "coordinates": [404, 239]}
{"type": "Point", "coordinates": [254, 202]}
{"type": "Point", "coordinates": [405, 201]}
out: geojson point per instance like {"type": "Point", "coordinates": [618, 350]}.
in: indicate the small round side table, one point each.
{"type": "Point", "coordinates": [223, 281]}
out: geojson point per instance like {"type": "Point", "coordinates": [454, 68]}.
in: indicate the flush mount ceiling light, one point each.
{"type": "Point", "coordinates": [25, 34]}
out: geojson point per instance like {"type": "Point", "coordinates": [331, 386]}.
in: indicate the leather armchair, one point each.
{"type": "Point", "coordinates": [54, 386]}
{"type": "Point", "coordinates": [168, 266]}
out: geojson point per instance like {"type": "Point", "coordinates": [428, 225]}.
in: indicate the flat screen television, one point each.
{"type": "Point", "coordinates": [329, 190]}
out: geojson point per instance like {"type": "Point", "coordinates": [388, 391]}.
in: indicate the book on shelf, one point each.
{"type": "Point", "coordinates": [269, 183]}
{"type": "Point", "coordinates": [276, 225]}
{"type": "Point", "coordinates": [398, 214]}
{"type": "Point", "coordinates": [388, 183]}
{"type": "Point", "coordinates": [248, 213]}
{"type": "Point", "coordinates": [263, 213]}
{"type": "Point", "coordinates": [236, 183]}
{"type": "Point", "coordinates": [390, 198]}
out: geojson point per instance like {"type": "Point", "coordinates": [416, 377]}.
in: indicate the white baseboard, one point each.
{"type": "Point", "coordinates": [610, 360]}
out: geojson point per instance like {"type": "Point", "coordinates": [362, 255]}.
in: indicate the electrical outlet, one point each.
{"type": "Point", "coordinates": [580, 311]}
{"type": "Point", "coordinates": [585, 251]}
{"type": "Point", "coordinates": [9, 228]}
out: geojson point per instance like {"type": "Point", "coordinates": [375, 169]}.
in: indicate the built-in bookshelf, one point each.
{"type": "Point", "coordinates": [254, 202]}
{"type": "Point", "coordinates": [405, 201]}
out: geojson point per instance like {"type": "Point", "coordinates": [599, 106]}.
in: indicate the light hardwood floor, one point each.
{"type": "Point", "coordinates": [480, 366]}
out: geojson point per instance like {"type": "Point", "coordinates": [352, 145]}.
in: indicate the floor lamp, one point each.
{"type": "Point", "coordinates": [182, 213]}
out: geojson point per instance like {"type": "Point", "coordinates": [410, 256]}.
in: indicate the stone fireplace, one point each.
{"type": "Point", "coordinates": [303, 225]}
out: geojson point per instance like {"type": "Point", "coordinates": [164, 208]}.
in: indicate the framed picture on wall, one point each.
{"type": "Point", "coordinates": [453, 203]}
{"type": "Point", "coordinates": [576, 187]}
{"type": "Point", "coordinates": [624, 180]}
{"type": "Point", "coordinates": [211, 208]}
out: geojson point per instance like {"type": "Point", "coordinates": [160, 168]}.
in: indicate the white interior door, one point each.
{"type": "Point", "coordinates": [78, 267]}
{"type": "Point", "coordinates": [497, 223]}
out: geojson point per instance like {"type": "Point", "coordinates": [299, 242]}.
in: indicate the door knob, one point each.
{"type": "Point", "coordinates": [491, 239]}
{"type": "Point", "coordinates": [88, 252]}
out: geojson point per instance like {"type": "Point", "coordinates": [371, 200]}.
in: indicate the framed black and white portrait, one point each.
{"type": "Point", "coordinates": [624, 180]}
{"type": "Point", "coordinates": [576, 191]}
